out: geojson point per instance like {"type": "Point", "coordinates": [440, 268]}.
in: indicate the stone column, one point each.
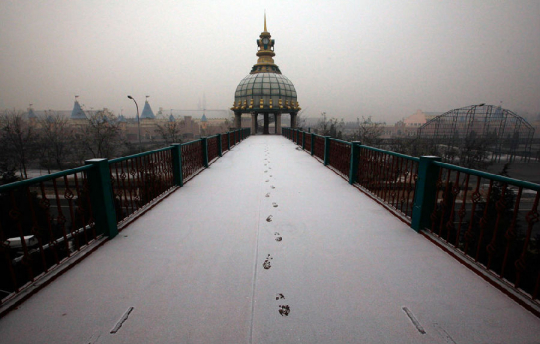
{"type": "Point", "coordinates": [254, 124]}
{"type": "Point", "coordinates": [265, 131]}
{"type": "Point", "coordinates": [238, 120]}
{"type": "Point", "coordinates": [293, 120]}
{"type": "Point", "coordinates": [278, 123]}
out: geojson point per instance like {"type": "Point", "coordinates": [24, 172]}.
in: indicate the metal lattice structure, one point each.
{"type": "Point", "coordinates": [491, 128]}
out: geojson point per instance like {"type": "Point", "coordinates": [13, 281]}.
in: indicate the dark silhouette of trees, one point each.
{"type": "Point", "coordinates": [101, 137]}
{"type": "Point", "coordinates": [18, 138]}
{"type": "Point", "coordinates": [56, 140]}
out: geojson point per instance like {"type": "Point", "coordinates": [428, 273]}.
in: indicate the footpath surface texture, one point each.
{"type": "Point", "coordinates": [269, 246]}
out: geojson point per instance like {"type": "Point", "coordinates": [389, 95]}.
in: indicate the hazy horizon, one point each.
{"type": "Point", "coordinates": [346, 58]}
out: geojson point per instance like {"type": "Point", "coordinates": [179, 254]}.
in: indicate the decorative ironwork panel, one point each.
{"type": "Point", "coordinates": [139, 180]}
{"type": "Point", "coordinates": [318, 150]}
{"type": "Point", "coordinates": [192, 160]}
{"type": "Point", "coordinates": [224, 142]}
{"type": "Point", "coordinates": [493, 222]}
{"type": "Point", "coordinates": [340, 157]}
{"type": "Point", "coordinates": [390, 178]}
{"type": "Point", "coordinates": [42, 223]}
{"type": "Point", "coordinates": [307, 145]}
{"type": "Point", "coordinates": [213, 148]}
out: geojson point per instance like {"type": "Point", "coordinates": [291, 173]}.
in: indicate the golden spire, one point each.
{"type": "Point", "coordinates": [265, 63]}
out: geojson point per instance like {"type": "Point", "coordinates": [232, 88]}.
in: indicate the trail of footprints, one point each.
{"type": "Point", "coordinates": [283, 309]}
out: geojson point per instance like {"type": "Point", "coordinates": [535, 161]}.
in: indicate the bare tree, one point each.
{"type": "Point", "coordinates": [368, 132]}
{"type": "Point", "coordinates": [101, 137]}
{"type": "Point", "coordinates": [18, 139]}
{"type": "Point", "coordinates": [170, 132]}
{"type": "Point", "coordinates": [57, 138]}
{"type": "Point", "coordinates": [330, 127]}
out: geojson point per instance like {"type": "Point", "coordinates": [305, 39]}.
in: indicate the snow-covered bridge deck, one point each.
{"type": "Point", "coordinates": [269, 246]}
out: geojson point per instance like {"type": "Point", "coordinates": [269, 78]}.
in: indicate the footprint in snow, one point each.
{"type": "Point", "coordinates": [284, 310]}
{"type": "Point", "coordinates": [266, 263]}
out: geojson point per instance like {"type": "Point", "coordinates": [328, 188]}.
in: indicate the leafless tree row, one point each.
{"type": "Point", "coordinates": [53, 142]}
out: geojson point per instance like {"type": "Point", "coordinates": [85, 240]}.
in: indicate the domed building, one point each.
{"type": "Point", "coordinates": [265, 90]}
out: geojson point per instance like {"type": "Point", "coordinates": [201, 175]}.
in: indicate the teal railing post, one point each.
{"type": "Point", "coordinates": [303, 140]}
{"type": "Point", "coordinates": [228, 140]}
{"type": "Point", "coordinates": [204, 143]}
{"type": "Point", "coordinates": [426, 191]}
{"type": "Point", "coordinates": [219, 144]}
{"type": "Point", "coordinates": [355, 156]}
{"type": "Point", "coordinates": [312, 144]}
{"type": "Point", "coordinates": [326, 150]}
{"type": "Point", "coordinates": [177, 164]}
{"type": "Point", "coordinates": [101, 196]}
{"type": "Point", "coordinates": [241, 134]}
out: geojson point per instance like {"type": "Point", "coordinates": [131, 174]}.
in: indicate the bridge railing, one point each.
{"type": "Point", "coordinates": [138, 179]}
{"type": "Point", "coordinates": [47, 220]}
{"type": "Point", "coordinates": [491, 219]}
{"type": "Point", "coordinates": [487, 220]}
{"type": "Point", "coordinates": [43, 221]}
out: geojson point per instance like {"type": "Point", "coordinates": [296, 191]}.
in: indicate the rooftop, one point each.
{"type": "Point", "coordinates": [267, 245]}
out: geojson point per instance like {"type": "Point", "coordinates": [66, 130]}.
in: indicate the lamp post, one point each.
{"type": "Point", "coordinates": [138, 122]}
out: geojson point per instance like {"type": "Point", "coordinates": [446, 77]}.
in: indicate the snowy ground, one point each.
{"type": "Point", "coordinates": [269, 246]}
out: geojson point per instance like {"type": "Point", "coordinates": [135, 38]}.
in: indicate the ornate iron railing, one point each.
{"type": "Point", "coordinates": [307, 143]}
{"type": "Point", "coordinates": [389, 176]}
{"type": "Point", "coordinates": [224, 142]}
{"type": "Point", "coordinates": [137, 180]}
{"type": "Point", "coordinates": [318, 149]}
{"type": "Point", "coordinates": [493, 220]}
{"type": "Point", "coordinates": [43, 221]}
{"type": "Point", "coordinates": [213, 148]}
{"type": "Point", "coordinates": [340, 157]}
{"type": "Point", "coordinates": [192, 159]}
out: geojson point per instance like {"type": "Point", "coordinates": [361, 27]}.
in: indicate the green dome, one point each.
{"type": "Point", "coordinates": [266, 86]}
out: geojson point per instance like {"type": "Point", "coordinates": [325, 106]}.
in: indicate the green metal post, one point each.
{"type": "Point", "coordinates": [312, 144]}
{"type": "Point", "coordinates": [101, 196]}
{"type": "Point", "coordinates": [303, 140]}
{"type": "Point", "coordinates": [220, 148]}
{"type": "Point", "coordinates": [204, 142]}
{"type": "Point", "coordinates": [326, 150]}
{"type": "Point", "coordinates": [228, 140]}
{"type": "Point", "coordinates": [177, 164]}
{"type": "Point", "coordinates": [426, 191]}
{"type": "Point", "coordinates": [355, 156]}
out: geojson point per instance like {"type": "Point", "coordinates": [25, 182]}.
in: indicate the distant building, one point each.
{"type": "Point", "coordinates": [191, 124]}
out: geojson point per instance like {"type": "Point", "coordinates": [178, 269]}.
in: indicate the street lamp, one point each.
{"type": "Point", "coordinates": [138, 122]}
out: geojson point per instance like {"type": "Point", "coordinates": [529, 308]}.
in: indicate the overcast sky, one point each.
{"type": "Point", "coordinates": [350, 59]}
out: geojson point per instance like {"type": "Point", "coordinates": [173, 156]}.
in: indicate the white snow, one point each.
{"type": "Point", "coordinates": [192, 269]}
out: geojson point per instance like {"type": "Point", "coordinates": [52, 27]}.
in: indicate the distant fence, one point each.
{"type": "Point", "coordinates": [489, 220]}
{"type": "Point", "coordinates": [46, 220]}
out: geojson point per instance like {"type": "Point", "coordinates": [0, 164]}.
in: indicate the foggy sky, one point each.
{"type": "Point", "coordinates": [350, 59]}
